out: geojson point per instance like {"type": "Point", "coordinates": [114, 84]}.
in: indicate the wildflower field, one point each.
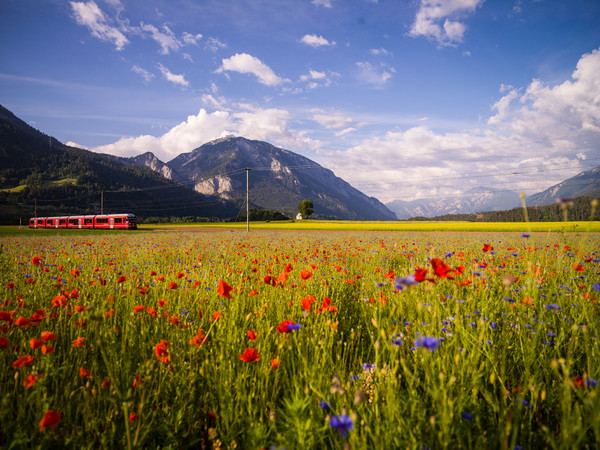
{"type": "Point", "coordinates": [289, 339]}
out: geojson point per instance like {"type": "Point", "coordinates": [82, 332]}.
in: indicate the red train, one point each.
{"type": "Point", "coordinates": [105, 221]}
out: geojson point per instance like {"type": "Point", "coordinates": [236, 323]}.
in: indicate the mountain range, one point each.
{"type": "Point", "coordinates": [279, 179]}
{"type": "Point", "coordinates": [585, 184]}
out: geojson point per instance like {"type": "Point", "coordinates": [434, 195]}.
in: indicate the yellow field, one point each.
{"type": "Point", "coordinates": [520, 227]}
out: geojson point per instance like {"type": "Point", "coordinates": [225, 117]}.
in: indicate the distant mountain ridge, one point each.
{"type": "Point", "coordinates": [584, 184]}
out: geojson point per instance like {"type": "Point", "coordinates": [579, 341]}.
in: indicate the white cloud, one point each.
{"type": "Point", "coordinates": [191, 39]}
{"type": "Point", "coordinates": [379, 51]}
{"type": "Point", "coordinates": [147, 76]}
{"type": "Point", "coordinates": [315, 79]}
{"type": "Point", "coordinates": [173, 78]}
{"type": "Point", "coordinates": [269, 124]}
{"type": "Point", "coordinates": [332, 120]}
{"type": "Point", "coordinates": [76, 145]}
{"type": "Point", "coordinates": [374, 76]}
{"type": "Point", "coordinates": [245, 63]}
{"type": "Point", "coordinates": [89, 15]}
{"type": "Point", "coordinates": [438, 20]}
{"type": "Point", "coordinates": [324, 3]}
{"type": "Point", "coordinates": [316, 41]}
{"type": "Point", "coordinates": [214, 44]}
{"type": "Point", "coordinates": [536, 137]}
{"type": "Point", "coordinates": [165, 38]}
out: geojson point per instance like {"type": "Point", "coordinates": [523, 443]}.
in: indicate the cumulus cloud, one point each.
{"type": "Point", "coordinates": [316, 41]}
{"type": "Point", "coordinates": [89, 15]}
{"type": "Point", "coordinates": [440, 20]}
{"type": "Point", "coordinates": [270, 124]}
{"type": "Point", "coordinates": [536, 137]}
{"type": "Point", "coordinates": [173, 78]}
{"type": "Point", "coordinates": [245, 63]}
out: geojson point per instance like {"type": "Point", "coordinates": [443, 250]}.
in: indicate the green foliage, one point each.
{"type": "Point", "coordinates": [305, 208]}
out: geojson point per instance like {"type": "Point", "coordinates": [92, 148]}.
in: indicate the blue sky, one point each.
{"type": "Point", "coordinates": [402, 99]}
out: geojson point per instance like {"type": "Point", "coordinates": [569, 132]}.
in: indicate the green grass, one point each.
{"type": "Point", "coordinates": [515, 326]}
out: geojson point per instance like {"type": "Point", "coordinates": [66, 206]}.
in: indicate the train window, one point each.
{"type": "Point", "coordinates": [87, 221]}
{"type": "Point", "coordinates": [74, 221]}
{"type": "Point", "coordinates": [101, 220]}
{"type": "Point", "coordinates": [118, 220]}
{"type": "Point", "coordinates": [50, 222]}
{"type": "Point", "coordinates": [62, 221]}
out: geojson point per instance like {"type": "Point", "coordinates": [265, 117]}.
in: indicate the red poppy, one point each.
{"type": "Point", "coordinates": [578, 267]}
{"type": "Point", "coordinates": [31, 379]}
{"type": "Point", "coordinates": [23, 361]}
{"type": "Point", "coordinates": [122, 279]}
{"type": "Point", "coordinates": [50, 419]}
{"type": "Point", "coordinates": [283, 326]}
{"type": "Point", "coordinates": [84, 373]}
{"type": "Point", "coordinates": [249, 355]}
{"type": "Point", "coordinates": [252, 292]}
{"type": "Point", "coordinates": [420, 274]}
{"type": "Point", "coordinates": [48, 336]}
{"type": "Point", "coordinates": [251, 335]}
{"type": "Point", "coordinates": [305, 274]}
{"type": "Point", "coordinates": [133, 417]}
{"type": "Point", "coordinates": [35, 343]}
{"type": "Point", "coordinates": [224, 289]}
{"type": "Point", "coordinates": [4, 343]}
{"type": "Point", "coordinates": [274, 363]}
{"type": "Point", "coordinates": [307, 301]}
{"type": "Point", "coordinates": [487, 248]}
{"type": "Point", "coordinates": [46, 350]}
{"type": "Point", "coordinates": [216, 315]}
{"type": "Point", "coordinates": [288, 268]}
{"type": "Point", "coordinates": [160, 350]}
{"type": "Point", "coordinates": [138, 308]}
{"type": "Point", "coordinates": [441, 269]}
{"type": "Point", "coordinates": [172, 285]}
{"type": "Point", "coordinates": [105, 384]}
{"type": "Point", "coordinates": [199, 340]}
{"type": "Point", "coordinates": [36, 260]}
{"type": "Point", "coordinates": [79, 342]}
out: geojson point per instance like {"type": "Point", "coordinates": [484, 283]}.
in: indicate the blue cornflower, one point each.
{"type": "Point", "coordinates": [525, 235]}
{"type": "Point", "coordinates": [343, 423]}
{"type": "Point", "coordinates": [466, 415]}
{"type": "Point", "coordinates": [294, 326]}
{"type": "Point", "coordinates": [397, 342]}
{"type": "Point", "coordinates": [428, 342]}
{"type": "Point", "coordinates": [590, 382]}
{"type": "Point", "coordinates": [553, 306]}
{"type": "Point", "coordinates": [324, 405]}
{"type": "Point", "coordinates": [406, 281]}
{"type": "Point", "coordinates": [368, 366]}
{"type": "Point", "coordinates": [596, 287]}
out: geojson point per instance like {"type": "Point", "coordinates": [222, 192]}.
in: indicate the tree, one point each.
{"type": "Point", "coordinates": [305, 208]}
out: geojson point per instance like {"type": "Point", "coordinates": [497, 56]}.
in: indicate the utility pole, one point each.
{"type": "Point", "coordinates": [101, 202]}
{"type": "Point", "coordinates": [247, 199]}
{"type": "Point", "coordinates": [35, 208]}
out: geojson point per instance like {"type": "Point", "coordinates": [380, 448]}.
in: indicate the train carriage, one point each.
{"type": "Point", "coordinates": [124, 221]}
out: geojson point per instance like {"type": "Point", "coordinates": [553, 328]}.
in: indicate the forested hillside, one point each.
{"type": "Point", "coordinates": [39, 174]}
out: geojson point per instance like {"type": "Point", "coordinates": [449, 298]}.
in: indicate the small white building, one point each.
{"type": "Point", "coordinates": [299, 216]}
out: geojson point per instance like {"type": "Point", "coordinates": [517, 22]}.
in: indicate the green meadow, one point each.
{"type": "Point", "coordinates": [357, 335]}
